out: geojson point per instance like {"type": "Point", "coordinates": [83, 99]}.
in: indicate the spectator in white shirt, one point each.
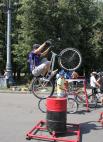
{"type": "Point", "coordinates": [93, 82]}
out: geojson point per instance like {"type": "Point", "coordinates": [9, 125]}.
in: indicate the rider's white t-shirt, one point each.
{"type": "Point", "coordinates": [93, 81]}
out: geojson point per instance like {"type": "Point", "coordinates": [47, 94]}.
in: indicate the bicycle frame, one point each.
{"type": "Point", "coordinates": [52, 60]}
{"type": "Point", "coordinates": [82, 99]}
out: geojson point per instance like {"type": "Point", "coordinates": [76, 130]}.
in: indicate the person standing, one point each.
{"type": "Point", "coordinates": [6, 75]}
{"type": "Point", "coordinates": [94, 83]}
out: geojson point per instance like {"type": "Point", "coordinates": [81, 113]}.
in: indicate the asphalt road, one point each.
{"type": "Point", "coordinates": [19, 113]}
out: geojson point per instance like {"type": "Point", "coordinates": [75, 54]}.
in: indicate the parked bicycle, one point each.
{"type": "Point", "coordinates": [69, 59]}
{"type": "Point", "coordinates": [93, 98]}
{"type": "Point", "coordinates": [72, 105]}
{"type": "Point", "coordinates": [75, 99]}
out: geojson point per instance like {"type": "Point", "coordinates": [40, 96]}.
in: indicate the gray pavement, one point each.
{"type": "Point", "coordinates": [19, 113]}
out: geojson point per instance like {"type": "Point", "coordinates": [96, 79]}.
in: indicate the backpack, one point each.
{"type": "Point", "coordinates": [67, 74]}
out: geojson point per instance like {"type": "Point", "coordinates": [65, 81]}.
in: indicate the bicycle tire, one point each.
{"type": "Point", "coordinates": [41, 88]}
{"type": "Point", "coordinates": [72, 106]}
{"type": "Point", "coordinates": [70, 59]}
{"type": "Point", "coordinates": [42, 105]}
{"type": "Point", "coordinates": [92, 101]}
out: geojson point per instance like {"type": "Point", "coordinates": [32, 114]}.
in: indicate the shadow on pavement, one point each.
{"type": "Point", "coordinates": [87, 127]}
{"type": "Point", "coordinates": [90, 109]}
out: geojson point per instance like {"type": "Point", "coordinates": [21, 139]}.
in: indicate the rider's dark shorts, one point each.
{"type": "Point", "coordinates": [101, 90]}
{"type": "Point", "coordinates": [94, 90]}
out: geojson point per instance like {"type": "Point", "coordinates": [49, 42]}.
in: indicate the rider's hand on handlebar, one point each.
{"type": "Point", "coordinates": [48, 43]}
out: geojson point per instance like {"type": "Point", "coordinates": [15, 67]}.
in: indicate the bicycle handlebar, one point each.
{"type": "Point", "coordinates": [48, 42]}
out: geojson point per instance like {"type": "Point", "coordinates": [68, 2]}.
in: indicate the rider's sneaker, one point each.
{"type": "Point", "coordinates": [44, 90]}
{"type": "Point", "coordinates": [45, 79]}
{"type": "Point", "coordinates": [50, 76]}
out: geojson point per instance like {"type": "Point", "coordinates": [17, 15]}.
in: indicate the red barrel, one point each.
{"type": "Point", "coordinates": [56, 114]}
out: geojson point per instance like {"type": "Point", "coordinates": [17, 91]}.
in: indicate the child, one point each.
{"type": "Point", "coordinates": [62, 85]}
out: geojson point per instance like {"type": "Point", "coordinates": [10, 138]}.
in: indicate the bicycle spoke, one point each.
{"type": "Point", "coordinates": [71, 105]}
{"type": "Point", "coordinates": [70, 59]}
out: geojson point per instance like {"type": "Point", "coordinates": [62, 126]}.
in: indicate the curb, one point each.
{"type": "Point", "coordinates": [15, 92]}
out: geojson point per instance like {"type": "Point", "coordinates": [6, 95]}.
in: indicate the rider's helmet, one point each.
{"type": "Point", "coordinates": [35, 46]}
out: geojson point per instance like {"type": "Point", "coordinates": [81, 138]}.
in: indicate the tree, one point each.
{"type": "Point", "coordinates": [72, 21]}
{"type": "Point", "coordinates": [88, 14]}
{"type": "Point", "coordinates": [2, 39]}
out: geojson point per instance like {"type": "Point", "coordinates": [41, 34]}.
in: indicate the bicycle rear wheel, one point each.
{"type": "Point", "coordinates": [42, 105]}
{"type": "Point", "coordinates": [41, 88]}
{"type": "Point", "coordinates": [70, 59]}
{"type": "Point", "coordinates": [72, 105]}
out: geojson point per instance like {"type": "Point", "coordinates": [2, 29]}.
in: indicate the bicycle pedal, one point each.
{"type": "Point", "coordinates": [44, 79]}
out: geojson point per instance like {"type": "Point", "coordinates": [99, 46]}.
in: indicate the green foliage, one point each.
{"type": "Point", "coordinates": [77, 23]}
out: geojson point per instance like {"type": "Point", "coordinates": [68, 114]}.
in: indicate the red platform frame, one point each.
{"type": "Point", "coordinates": [73, 129]}
{"type": "Point", "coordinates": [101, 118]}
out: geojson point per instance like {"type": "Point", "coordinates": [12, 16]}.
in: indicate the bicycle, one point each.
{"type": "Point", "coordinates": [94, 98]}
{"type": "Point", "coordinates": [80, 98]}
{"type": "Point", "coordinates": [76, 97]}
{"type": "Point", "coordinates": [69, 59]}
{"type": "Point", "coordinates": [72, 105]}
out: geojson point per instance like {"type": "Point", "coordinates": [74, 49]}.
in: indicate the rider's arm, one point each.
{"type": "Point", "coordinates": [38, 50]}
{"type": "Point", "coordinates": [97, 83]}
{"type": "Point", "coordinates": [45, 52]}
{"type": "Point", "coordinates": [45, 44]}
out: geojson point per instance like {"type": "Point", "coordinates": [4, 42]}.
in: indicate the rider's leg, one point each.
{"type": "Point", "coordinates": [42, 69]}
{"type": "Point", "coordinates": [47, 70]}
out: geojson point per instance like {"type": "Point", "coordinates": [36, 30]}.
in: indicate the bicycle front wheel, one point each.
{"type": "Point", "coordinates": [41, 88]}
{"type": "Point", "coordinates": [70, 59]}
{"type": "Point", "coordinates": [42, 105]}
{"type": "Point", "coordinates": [72, 105]}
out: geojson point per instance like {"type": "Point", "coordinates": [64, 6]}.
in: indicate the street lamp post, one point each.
{"type": "Point", "coordinates": [8, 63]}
{"type": "Point", "coordinates": [8, 7]}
